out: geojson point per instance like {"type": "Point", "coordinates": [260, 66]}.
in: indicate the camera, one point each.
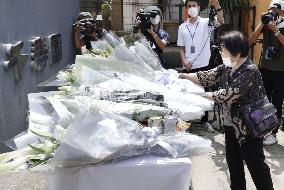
{"type": "Point", "coordinates": [89, 25]}
{"type": "Point", "coordinates": [269, 16]}
{"type": "Point", "coordinates": [144, 18]}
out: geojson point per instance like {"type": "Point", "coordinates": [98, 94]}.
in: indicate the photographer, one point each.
{"type": "Point", "coordinates": [272, 63]}
{"type": "Point", "coordinates": [194, 41]}
{"type": "Point", "coordinates": [85, 30]}
{"type": "Point", "coordinates": [149, 23]}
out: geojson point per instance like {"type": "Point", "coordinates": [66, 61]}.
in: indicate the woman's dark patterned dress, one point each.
{"type": "Point", "coordinates": [235, 89]}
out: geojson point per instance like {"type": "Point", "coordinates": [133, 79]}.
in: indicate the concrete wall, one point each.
{"type": "Point", "coordinates": [22, 21]}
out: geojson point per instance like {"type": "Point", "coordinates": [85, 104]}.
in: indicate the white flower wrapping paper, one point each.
{"type": "Point", "coordinates": [92, 130]}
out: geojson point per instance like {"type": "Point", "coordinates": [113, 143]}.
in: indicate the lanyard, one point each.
{"type": "Point", "coordinates": [192, 36]}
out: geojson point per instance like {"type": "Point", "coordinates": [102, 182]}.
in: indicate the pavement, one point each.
{"type": "Point", "coordinates": [211, 171]}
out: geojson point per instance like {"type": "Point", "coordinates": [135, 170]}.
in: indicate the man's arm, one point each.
{"type": "Point", "coordinates": [255, 34]}
{"type": "Point", "coordinates": [77, 41]}
{"type": "Point", "coordinates": [161, 43]}
{"type": "Point", "coordinates": [185, 63]}
{"type": "Point", "coordinates": [281, 38]}
{"type": "Point", "coordinates": [220, 14]}
{"type": "Point", "coordinates": [272, 26]}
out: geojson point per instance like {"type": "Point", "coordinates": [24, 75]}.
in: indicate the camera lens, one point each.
{"type": "Point", "coordinates": [265, 19]}
{"type": "Point", "coordinates": [270, 16]}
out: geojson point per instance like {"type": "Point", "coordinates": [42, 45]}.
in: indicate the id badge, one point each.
{"type": "Point", "coordinates": [192, 49]}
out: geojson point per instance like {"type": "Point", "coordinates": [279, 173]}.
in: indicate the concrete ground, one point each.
{"type": "Point", "coordinates": [211, 171]}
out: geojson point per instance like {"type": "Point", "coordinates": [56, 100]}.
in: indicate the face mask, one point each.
{"type": "Point", "coordinates": [155, 20]}
{"type": "Point", "coordinates": [193, 11]}
{"type": "Point", "coordinates": [227, 61]}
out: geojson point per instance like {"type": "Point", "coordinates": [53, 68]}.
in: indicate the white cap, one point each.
{"type": "Point", "coordinates": [279, 4]}
{"type": "Point", "coordinates": [99, 17]}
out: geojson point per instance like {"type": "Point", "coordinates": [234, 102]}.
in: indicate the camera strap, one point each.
{"type": "Point", "coordinates": [192, 36]}
{"type": "Point", "coordinates": [202, 47]}
{"type": "Point", "coordinates": [192, 48]}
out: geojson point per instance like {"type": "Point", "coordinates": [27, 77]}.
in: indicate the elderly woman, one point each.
{"type": "Point", "coordinates": [239, 83]}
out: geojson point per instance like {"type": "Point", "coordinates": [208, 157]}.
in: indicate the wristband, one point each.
{"type": "Point", "coordinates": [155, 35]}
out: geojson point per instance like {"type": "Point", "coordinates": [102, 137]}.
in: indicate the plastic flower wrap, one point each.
{"type": "Point", "coordinates": [189, 105]}
{"type": "Point", "coordinates": [112, 39]}
{"type": "Point", "coordinates": [95, 136]}
{"type": "Point", "coordinates": [92, 119]}
{"type": "Point", "coordinates": [95, 70]}
{"type": "Point", "coordinates": [139, 46]}
{"type": "Point", "coordinates": [65, 76]}
{"type": "Point", "coordinates": [129, 40]}
{"type": "Point", "coordinates": [101, 49]}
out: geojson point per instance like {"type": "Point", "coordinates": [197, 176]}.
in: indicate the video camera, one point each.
{"type": "Point", "coordinates": [143, 17]}
{"type": "Point", "coordinates": [269, 16]}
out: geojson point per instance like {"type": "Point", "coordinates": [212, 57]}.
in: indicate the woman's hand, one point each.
{"type": "Point", "coordinates": [190, 76]}
{"type": "Point", "coordinates": [182, 76]}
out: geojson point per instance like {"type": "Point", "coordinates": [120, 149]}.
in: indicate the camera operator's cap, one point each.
{"type": "Point", "coordinates": [279, 4]}
{"type": "Point", "coordinates": [84, 15]}
{"type": "Point", "coordinates": [154, 9]}
{"type": "Point", "coordinates": [99, 17]}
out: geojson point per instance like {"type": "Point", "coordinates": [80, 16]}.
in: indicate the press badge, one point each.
{"type": "Point", "coordinates": [192, 49]}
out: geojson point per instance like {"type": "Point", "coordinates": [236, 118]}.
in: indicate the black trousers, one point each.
{"type": "Point", "coordinates": [272, 81]}
{"type": "Point", "coordinates": [206, 115]}
{"type": "Point", "coordinates": [252, 153]}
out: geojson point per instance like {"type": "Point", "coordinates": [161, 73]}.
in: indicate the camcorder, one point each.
{"type": "Point", "coordinates": [269, 16]}
{"type": "Point", "coordinates": [143, 18]}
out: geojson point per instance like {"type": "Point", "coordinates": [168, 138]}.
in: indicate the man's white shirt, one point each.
{"type": "Point", "coordinates": [200, 31]}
